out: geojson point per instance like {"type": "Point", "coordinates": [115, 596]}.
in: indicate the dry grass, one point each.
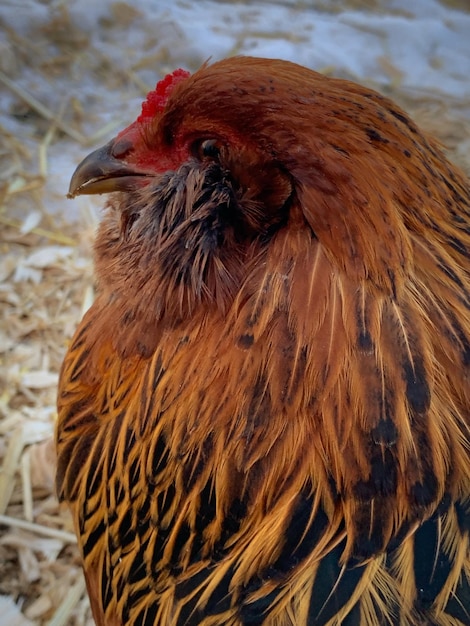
{"type": "Point", "coordinates": [45, 286]}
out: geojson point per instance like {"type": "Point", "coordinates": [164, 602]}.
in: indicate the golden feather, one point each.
{"type": "Point", "coordinates": [264, 416]}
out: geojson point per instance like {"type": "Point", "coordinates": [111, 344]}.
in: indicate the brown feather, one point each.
{"type": "Point", "coordinates": [265, 414]}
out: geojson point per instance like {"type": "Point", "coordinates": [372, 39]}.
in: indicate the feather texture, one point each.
{"type": "Point", "coordinates": [264, 416]}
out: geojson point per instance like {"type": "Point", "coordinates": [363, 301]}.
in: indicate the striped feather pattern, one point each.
{"type": "Point", "coordinates": [264, 416]}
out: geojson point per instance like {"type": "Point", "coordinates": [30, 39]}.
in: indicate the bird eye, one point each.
{"type": "Point", "coordinates": [208, 149]}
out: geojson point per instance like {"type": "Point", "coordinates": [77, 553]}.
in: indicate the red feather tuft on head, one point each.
{"type": "Point", "coordinates": [156, 99]}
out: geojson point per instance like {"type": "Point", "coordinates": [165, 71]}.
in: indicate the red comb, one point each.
{"type": "Point", "coordinates": [156, 99]}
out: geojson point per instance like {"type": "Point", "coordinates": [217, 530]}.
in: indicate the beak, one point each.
{"type": "Point", "coordinates": [103, 172]}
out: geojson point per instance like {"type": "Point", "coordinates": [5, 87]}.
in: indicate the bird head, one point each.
{"type": "Point", "coordinates": [126, 161]}
{"type": "Point", "coordinates": [220, 161]}
{"type": "Point", "coordinates": [179, 126]}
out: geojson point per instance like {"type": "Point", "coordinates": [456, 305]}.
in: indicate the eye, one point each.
{"type": "Point", "coordinates": [208, 149]}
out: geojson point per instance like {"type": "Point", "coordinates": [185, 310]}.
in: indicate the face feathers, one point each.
{"type": "Point", "coordinates": [156, 100]}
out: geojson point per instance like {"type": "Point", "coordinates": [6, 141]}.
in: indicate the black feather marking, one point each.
{"type": "Point", "coordinates": [459, 602]}
{"type": "Point", "coordinates": [457, 336]}
{"type": "Point", "coordinates": [459, 246]}
{"type": "Point", "coordinates": [333, 587]}
{"type": "Point", "coordinates": [425, 491]}
{"type": "Point", "coordinates": [81, 338]}
{"type": "Point", "coordinates": [66, 473]}
{"type": "Point", "coordinates": [417, 388]}
{"type": "Point", "coordinates": [245, 341]}
{"type": "Point", "coordinates": [138, 571]}
{"type": "Point", "coordinates": [393, 284]}
{"type": "Point", "coordinates": [404, 120]}
{"type": "Point", "coordinates": [78, 415]}
{"type": "Point", "coordinates": [231, 524]}
{"type": "Point", "coordinates": [383, 475]}
{"type": "Point", "coordinates": [206, 514]}
{"type": "Point", "coordinates": [160, 457]}
{"type": "Point", "coordinates": [130, 441]}
{"type": "Point", "coordinates": [143, 518]}
{"type": "Point", "coordinates": [147, 616]}
{"type": "Point", "coordinates": [113, 547]}
{"type": "Point", "coordinates": [301, 536]}
{"type": "Point", "coordinates": [369, 537]}
{"type": "Point", "coordinates": [111, 443]}
{"type": "Point", "coordinates": [93, 538]}
{"type": "Point", "coordinates": [94, 474]}
{"type": "Point", "coordinates": [353, 618]}
{"type": "Point", "coordinates": [456, 194]}
{"type": "Point", "coordinates": [254, 613]}
{"type": "Point", "coordinates": [158, 371]}
{"type": "Point", "coordinates": [299, 541]}
{"type": "Point", "coordinates": [89, 510]}
{"type": "Point", "coordinates": [364, 341]}
{"type": "Point", "coordinates": [107, 591]}
{"type": "Point", "coordinates": [118, 399]}
{"type": "Point", "coordinates": [431, 565]}
{"type": "Point", "coordinates": [218, 601]}
{"type": "Point", "coordinates": [79, 364]}
{"type": "Point", "coordinates": [375, 136]}
{"type": "Point", "coordinates": [134, 472]}
{"type": "Point", "coordinates": [462, 510]}
{"type": "Point", "coordinates": [179, 545]}
{"type": "Point", "coordinates": [221, 598]}
{"type": "Point", "coordinates": [137, 594]}
{"type": "Point", "coordinates": [449, 272]}
{"type": "Point", "coordinates": [340, 149]}
{"type": "Point", "coordinates": [385, 432]}
{"type": "Point", "coordinates": [164, 502]}
{"type": "Point", "coordinates": [195, 463]}
{"type": "Point", "coordinates": [120, 592]}
{"type": "Point", "coordinates": [126, 530]}
{"type": "Point", "coordinates": [397, 541]}
{"type": "Point", "coordinates": [144, 350]}
{"type": "Point", "coordinates": [119, 491]}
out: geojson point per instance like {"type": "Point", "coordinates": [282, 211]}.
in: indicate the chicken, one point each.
{"type": "Point", "coordinates": [264, 416]}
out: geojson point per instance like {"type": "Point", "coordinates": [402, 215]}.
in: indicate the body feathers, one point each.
{"type": "Point", "coordinates": [264, 416]}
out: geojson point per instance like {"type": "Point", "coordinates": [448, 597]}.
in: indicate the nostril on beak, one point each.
{"type": "Point", "coordinates": [121, 148]}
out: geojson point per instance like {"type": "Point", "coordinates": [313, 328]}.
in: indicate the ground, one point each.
{"type": "Point", "coordinates": [72, 74]}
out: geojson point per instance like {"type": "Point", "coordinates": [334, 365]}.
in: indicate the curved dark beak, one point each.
{"type": "Point", "coordinates": [103, 172]}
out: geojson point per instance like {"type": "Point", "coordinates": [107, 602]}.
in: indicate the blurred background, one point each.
{"type": "Point", "coordinates": [72, 74]}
